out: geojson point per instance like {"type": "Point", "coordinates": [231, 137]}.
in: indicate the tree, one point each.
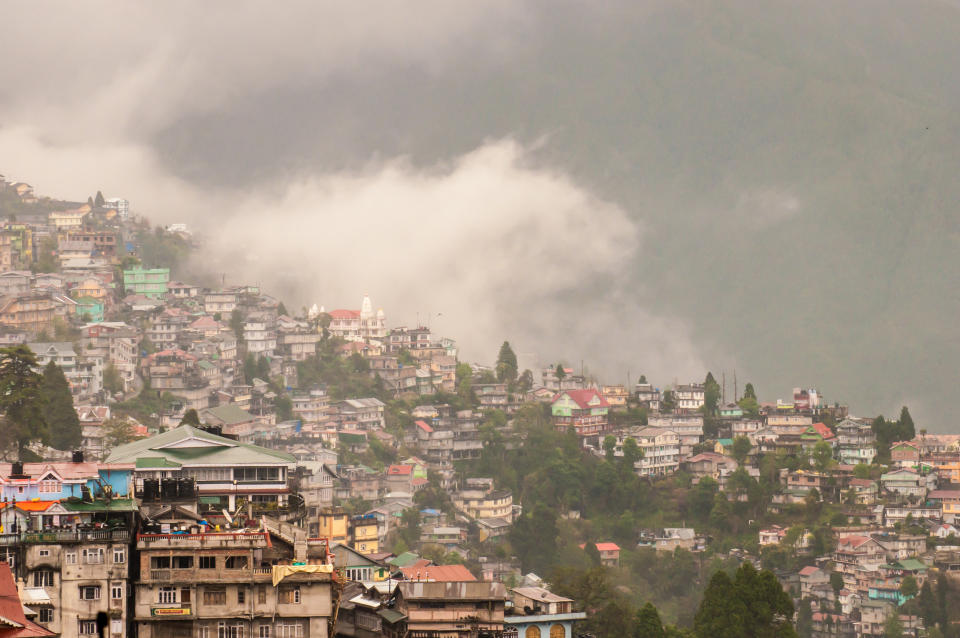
{"type": "Point", "coordinates": [927, 604]}
{"type": "Point", "coordinates": [836, 582]}
{"type": "Point", "coordinates": [648, 624]}
{"type": "Point", "coordinates": [893, 628]}
{"type": "Point", "coordinates": [822, 455]}
{"type": "Point", "coordinates": [112, 381]}
{"type": "Point", "coordinates": [98, 201]}
{"type": "Point", "coordinates": [908, 587]}
{"type": "Point", "coordinates": [561, 375]}
{"type": "Point", "coordinates": [590, 548]}
{"type": "Point", "coordinates": [117, 431]}
{"type": "Point", "coordinates": [526, 381]}
{"type": "Point", "coordinates": [47, 255]}
{"type": "Point", "coordinates": [721, 615]}
{"type": "Point", "coordinates": [861, 471]}
{"type": "Point", "coordinates": [711, 395]}
{"type": "Point", "coordinates": [63, 424]}
{"type": "Point", "coordinates": [190, 417]}
{"type": "Point", "coordinates": [506, 364]}
{"type": "Point", "coordinates": [20, 398]}
{"type": "Point", "coordinates": [281, 309]}
{"type": "Point", "coordinates": [741, 448]}
{"type": "Point", "coordinates": [668, 401]}
{"type": "Point", "coordinates": [236, 324]}
{"type": "Point", "coordinates": [609, 446]}
{"type": "Point", "coordinates": [749, 393]}
{"type": "Point", "coordinates": [642, 379]}
{"type": "Point", "coordinates": [905, 427]}
{"type": "Point", "coordinates": [284, 408]}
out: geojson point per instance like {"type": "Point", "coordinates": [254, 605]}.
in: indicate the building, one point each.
{"type": "Point", "coordinates": [536, 612]}
{"type": "Point", "coordinates": [661, 450]}
{"type": "Point", "coordinates": [480, 501]}
{"type": "Point", "coordinates": [647, 396]}
{"type": "Point", "coordinates": [149, 282]}
{"type": "Point", "coordinates": [615, 395]}
{"type": "Point", "coordinates": [367, 414]}
{"type": "Point", "coordinates": [83, 373]}
{"type": "Point", "coordinates": [264, 582]}
{"type": "Point", "coordinates": [226, 473]}
{"type": "Point", "coordinates": [30, 312]}
{"type": "Point", "coordinates": [855, 442]}
{"type": "Point", "coordinates": [13, 620]}
{"type": "Point", "coordinates": [583, 410]}
{"type": "Point", "coordinates": [689, 398]}
{"type": "Point", "coordinates": [448, 609]}
{"type": "Point", "coordinates": [609, 553]}
{"type": "Point", "coordinates": [358, 325]}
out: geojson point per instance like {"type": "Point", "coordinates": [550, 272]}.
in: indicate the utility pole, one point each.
{"type": "Point", "coordinates": [735, 393]}
{"type": "Point", "coordinates": [723, 394]}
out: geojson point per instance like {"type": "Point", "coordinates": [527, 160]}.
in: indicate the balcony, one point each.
{"type": "Point", "coordinates": [214, 540]}
{"type": "Point", "coordinates": [219, 575]}
{"type": "Point", "coordinates": [72, 536]}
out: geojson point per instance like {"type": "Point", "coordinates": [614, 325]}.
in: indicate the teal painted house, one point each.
{"type": "Point", "coordinates": [90, 309]}
{"type": "Point", "coordinates": [150, 282]}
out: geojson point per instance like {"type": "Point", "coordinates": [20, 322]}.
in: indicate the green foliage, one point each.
{"type": "Point", "coordinates": [590, 549]}
{"type": "Point", "coordinates": [749, 392]}
{"type": "Point", "coordinates": [741, 448]}
{"type": "Point", "coordinates": [117, 431]}
{"type": "Point", "coordinates": [893, 627]}
{"type": "Point", "coordinates": [190, 417]}
{"type": "Point", "coordinates": [525, 381]}
{"type": "Point", "coordinates": [711, 395]}
{"type": "Point", "coordinates": [861, 471]}
{"type": "Point", "coordinates": [905, 428]}
{"type": "Point", "coordinates": [112, 382]}
{"type": "Point", "coordinates": [47, 256]}
{"type": "Point", "coordinates": [20, 398]}
{"type": "Point", "coordinates": [822, 455]}
{"type": "Point", "coordinates": [668, 401]}
{"type": "Point", "coordinates": [506, 364]}
{"type": "Point", "coordinates": [648, 624]}
{"type": "Point", "coordinates": [284, 408]}
{"type": "Point", "coordinates": [750, 406]}
{"type": "Point", "coordinates": [405, 358]}
{"type": "Point", "coordinates": [160, 249]}
{"type": "Point", "coordinates": [909, 587]}
{"type": "Point", "coordinates": [236, 324]}
{"type": "Point", "coordinates": [752, 604]}
{"type": "Point", "coordinates": [98, 201]}
{"type": "Point", "coordinates": [63, 424]}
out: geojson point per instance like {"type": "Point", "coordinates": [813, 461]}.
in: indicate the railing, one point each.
{"type": "Point", "coordinates": [67, 536]}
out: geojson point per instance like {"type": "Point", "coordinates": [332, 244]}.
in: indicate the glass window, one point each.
{"type": "Point", "coordinates": [264, 631]}
{"type": "Point", "coordinates": [119, 555]}
{"type": "Point", "coordinates": [215, 596]}
{"type": "Point", "coordinates": [88, 627]}
{"type": "Point", "coordinates": [241, 596]}
{"type": "Point", "coordinates": [116, 592]}
{"type": "Point", "coordinates": [90, 592]}
{"type": "Point", "coordinates": [45, 614]}
{"type": "Point", "coordinates": [116, 626]}
{"type": "Point", "coordinates": [289, 595]}
{"type": "Point", "coordinates": [208, 562]}
{"type": "Point", "coordinates": [43, 578]}
{"type": "Point", "coordinates": [167, 595]}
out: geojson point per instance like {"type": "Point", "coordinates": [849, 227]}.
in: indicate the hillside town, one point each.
{"type": "Point", "coordinates": [226, 467]}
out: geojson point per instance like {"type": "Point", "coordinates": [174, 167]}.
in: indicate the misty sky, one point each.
{"type": "Point", "coordinates": [653, 187]}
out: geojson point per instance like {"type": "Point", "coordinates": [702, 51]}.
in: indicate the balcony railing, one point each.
{"type": "Point", "coordinates": [66, 536]}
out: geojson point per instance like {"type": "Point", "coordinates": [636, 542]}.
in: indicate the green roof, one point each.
{"type": "Point", "coordinates": [230, 414]}
{"type": "Point", "coordinates": [404, 559]}
{"type": "Point", "coordinates": [116, 505]}
{"type": "Point", "coordinates": [206, 365]}
{"type": "Point", "coordinates": [912, 564]}
{"type": "Point", "coordinates": [190, 445]}
{"type": "Point", "coordinates": [155, 461]}
{"type": "Point", "coordinates": [390, 615]}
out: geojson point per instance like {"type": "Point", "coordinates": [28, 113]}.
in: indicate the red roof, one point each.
{"type": "Point", "coordinates": [604, 547]}
{"type": "Point", "coordinates": [583, 397]}
{"type": "Point", "coordinates": [399, 470]}
{"type": "Point", "coordinates": [809, 570]}
{"type": "Point", "coordinates": [13, 622]}
{"type": "Point", "coordinates": [345, 314]}
{"type": "Point", "coordinates": [438, 573]}
{"type": "Point", "coordinates": [823, 430]}
{"type": "Point", "coordinates": [423, 426]}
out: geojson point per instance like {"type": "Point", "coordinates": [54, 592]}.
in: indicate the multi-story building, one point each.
{"type": "Point", "coordinates": [30, 312]}
{"type": "Point", "coordinates": [449, 609]}
{"type": "Point", "coordinates": [689, 427]}
{"type": "Point", "coordinates": [364, 533]}
{"type": "Point", "coordinates": [358, 325]}
{"type": "Point", "coordinates": [99, 243]}
{"type": "Point", "coordinates": [661, 450]}
{"type": "Point", "coordinates": [259, 334]}
{"type": "Point", "coordinates": [689, 397]}
{"type": "Point", "coordinates": [166, 327]}
{"type": "Point", "coordinates": [84, 373]}
{"type": "Point", "coordinates": [149, 282]}
{"type": "Point", "coordinates": [408, 339]}
{"type": "Point", "coordinates": [481, 501]}
{"type": "Point", "coordinates": [367, 413]}
{"type": "Point", "coordinates": [221, 302]}
{"type": "Point", "coordinates": [237, 584]}
{"type": "Point", "coordinates": [583, 410]}
{"type": "Point", "coordinates": [227, 473]}
{"type": "Point", "coordinates": [492, 396]}
{"type": "Point", "coordinates": [312, 406]}
{"type": "Point", "coordinates": [615, 395]}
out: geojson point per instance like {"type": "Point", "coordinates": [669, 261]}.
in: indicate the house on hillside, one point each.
{"type": "Point", "coordinates": [583, 410]}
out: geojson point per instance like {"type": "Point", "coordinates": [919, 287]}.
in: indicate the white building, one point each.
{"type": "Point", "coordinates": [689, 398]}
{"type": "Point", "coordinates": [359, 325]}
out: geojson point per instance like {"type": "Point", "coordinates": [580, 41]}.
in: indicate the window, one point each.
{"type": "Point", "coordinates": [92, 556]}
{"type": "Point", "coordinates": [70, 558]}
{"type": "Point", "coordinates": [289, 630]}
{"type": "Point", "coordinates": [50, 486]}
{"type": "Point", "coordinates": [167, 595]}
{"type": "Point", "coordinates": [119, 555]}
{"type": "Point", "coordinates": [215, 596]}
{"type": "Point", "coordinates": [203, 631]}
{"type": "Point", "coordinates": [43, 552]}
{"type": "Point", "coordinates": [235, 562]}
{"type": "Point", "coordinates": [43, 578]}
{"type": "Point", "coordinates": [46, 614]}
{"type": "Point", "coordinates": [264, 631]}
{"type": "Point", "coordinates": [116, 626]}
{"type": "Point", "coordinates": [88, 627]}
{"type": "Point", "coordinates": [116, 592]}
{"type": "Point", "coordinates": [90, 592]}
{"type": "Point", "coordinates": [261, 595]}
{"type": "Point", "coordinates": [185, 594]}
{"type": "Point", "coordinates": [160, 562]}
{"type": "Point", "coordinates": [289, 595]}
{"type": "Point", "coordinates": [208, 562]}
{"type": "Point", "coordinates": [229, 631]}
{"type": "Point", "coordinates": [182, 562]}
{"type": "Point", "coordinates": [241, 596]}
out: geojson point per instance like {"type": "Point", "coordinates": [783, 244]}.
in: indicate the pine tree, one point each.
{"type": "Point", "coordinates": [63, 424]}
{"type": "Point", "coordinates": [721, 615]}
{"type": "Point", "coordinates": [905, 428]}
{"type": "Point", "coordinates": [98, 201]}
{"type": "Point", "coordinates": [711, 395]}
{"type": "Point", "coordinates": [649, 624]}
{"type": "Point", "coordinates": [20, 398]}
{"type": "Point", "coordinates": [749, 392]}
{"type": "Point", "coordinates": [190, 417]}
{"type": "Point", "coordinates": [506, 364]}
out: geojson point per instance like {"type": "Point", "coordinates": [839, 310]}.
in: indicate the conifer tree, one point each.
{"type": "Point", "coordinates": [63, 424]}
{"type": "Point", "coordinates": [649, 624]}
{"type": "Point", "coordinates": [506, 364]}
{"type": "Point", "coordinates": [20, 398]}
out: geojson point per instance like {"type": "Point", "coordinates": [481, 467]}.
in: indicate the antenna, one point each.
{"type": "Point", "coordinates": [735, 394]}
{"type": "Point", "coordinates": [723, 395]}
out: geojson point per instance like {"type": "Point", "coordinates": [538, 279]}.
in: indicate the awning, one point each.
{"type": "Point", "coordinates": [210, 500]}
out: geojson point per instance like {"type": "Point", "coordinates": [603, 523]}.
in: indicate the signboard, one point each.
{"type": "Point", "coordinates": [171, 611]}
